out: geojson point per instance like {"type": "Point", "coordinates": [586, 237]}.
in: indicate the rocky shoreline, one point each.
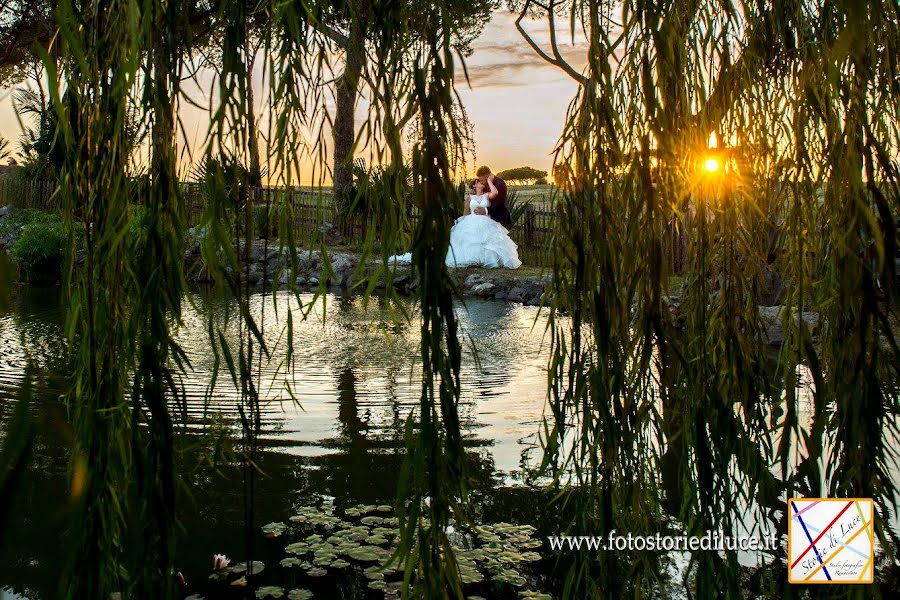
{"type": "Point", "coordinates": [268, 265]}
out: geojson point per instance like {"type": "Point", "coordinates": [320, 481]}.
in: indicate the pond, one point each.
{"type": "Point", "coordinates": [356, 378]}
{"type": "Point", "coordinates": [332, 431]}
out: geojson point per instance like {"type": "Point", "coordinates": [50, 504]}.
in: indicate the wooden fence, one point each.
{"type": "Point", "coordinates": [314, 211]}
{"type": "Point", "coordinates": [28, 193]}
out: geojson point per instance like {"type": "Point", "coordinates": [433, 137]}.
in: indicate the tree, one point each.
{"type": "Point", "coordinates": [24, 26]}
{"type": "Point", "coordinates": [349, 25]}
{"type": "Point", "coordinates": [521, 174]}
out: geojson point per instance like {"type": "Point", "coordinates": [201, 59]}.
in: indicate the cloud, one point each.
{"type": "Point", "coordinates": [503, 58]}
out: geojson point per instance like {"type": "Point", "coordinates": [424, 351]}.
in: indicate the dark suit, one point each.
{"type": "Point", "coordinates": [497, 211]}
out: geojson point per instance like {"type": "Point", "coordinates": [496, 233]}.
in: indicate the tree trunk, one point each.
{"type": "Point", "coordinates": [252, 133]}
{"type": "Point", "coordinates": [347, 92]}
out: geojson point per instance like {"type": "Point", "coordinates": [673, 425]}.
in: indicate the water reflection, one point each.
{"type": "Point", "coordinates": [356, 378]}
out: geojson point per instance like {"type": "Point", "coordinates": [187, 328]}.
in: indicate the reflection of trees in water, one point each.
{"type": "Point", "coordinates": [362, 463]}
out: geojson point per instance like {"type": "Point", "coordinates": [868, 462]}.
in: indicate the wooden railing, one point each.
{"type": "Point", "coordinates": [314, 211]}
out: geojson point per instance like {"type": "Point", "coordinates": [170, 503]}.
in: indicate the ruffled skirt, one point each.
{"type": "Point", "coordinates": [478, 241]}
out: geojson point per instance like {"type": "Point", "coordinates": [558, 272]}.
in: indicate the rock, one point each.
{"type": "Point", "coordinates": [483, 289]}
{"type": "Point", "coordinates": [533, 300]}
{"type": "Point", "coordinates": [343, 266]}
{"type": "Point", "coordinates": [307, 261]}
{"type": "Point", "coordinates": [313, 280]}
{"type": "Point", "coordinates": [516, 294]}
{"type": "Point", "coordinates": [285, 277]}
{"type": "Point", "coordinates": [773, 333]}
{"type": "Point", "coordinates": [773, 293]}
{"type": "Point", "coordinates": [401, 283]}
{"type": "Point", "coordinates": [472, 280]}
{"type": "Point", "coordinates": [7, 210]}
{"type": "Point", "coordinates": [501, 295]}
{"type": "Point", "coordinates": [254, 275]}
{"type": "Point", "coordinates": [301, 280]}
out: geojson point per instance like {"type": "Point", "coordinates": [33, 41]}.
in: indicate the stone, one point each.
{"type": "Point", "coordinates": [313, 280]}
{"type": "Point", "coordinates": [773, 288]}
{"type": "Point", "coordinates": [7, 210]}
{"type": "Point", "coordinates": [516, 294]}
{"type": "Point", "coordinates": [254, 275]}
{"type": "Point", "coordinates": [483, 289]}
{"type": "Point", "coordinates": [343, 266]}
{"type": "Point", "coordinates": [534, 300]}
{"type": "Point", "coordinates": [472, 280]}
{"type": "Point", "coordinates": [501, 295]}
{"type": "Point", "coordinates": [773, 333]}
{"type": "Point", "coordinates": [301, 280]}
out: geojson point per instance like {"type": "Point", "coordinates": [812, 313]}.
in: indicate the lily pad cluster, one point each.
{"type": "Point", "coordinates": [363, 538]}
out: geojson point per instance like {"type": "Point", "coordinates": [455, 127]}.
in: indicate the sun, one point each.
{"type": "Point", "coordinates": [712, 165]}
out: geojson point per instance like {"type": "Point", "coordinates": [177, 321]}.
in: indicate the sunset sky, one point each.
{"type": "Point", "coordinates": [516, 102]}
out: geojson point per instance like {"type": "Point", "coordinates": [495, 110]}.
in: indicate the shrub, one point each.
{"type": "Point", "coordinates": [39, 248]}
{"type": "Point", "coordinates": [265, 221]}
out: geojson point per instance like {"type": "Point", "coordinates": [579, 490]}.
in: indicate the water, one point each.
{"type": "Point", "coordinates": [355, 380]}
{"type": "Point", "coordinates": [333, 424]}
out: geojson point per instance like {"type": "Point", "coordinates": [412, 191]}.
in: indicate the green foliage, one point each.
{"type": "Point", "coordinates": [660, 407]}
{"type": "Point", "coordinates": [265, 221]}
{"type": "Point", "coordinates": [516, 206]}
{"type": "Point", "coordinates": [521, 174]}
{"type": "Point", "coordinates": [39, 248]}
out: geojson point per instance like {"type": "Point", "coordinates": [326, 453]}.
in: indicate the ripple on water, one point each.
{"type": "Point", "coordinates": [355, 372]}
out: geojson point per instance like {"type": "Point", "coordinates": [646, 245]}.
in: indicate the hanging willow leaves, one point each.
{"type": "Point", "coordinates": [648, 391]}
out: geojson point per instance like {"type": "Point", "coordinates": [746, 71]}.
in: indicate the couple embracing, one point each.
{"type": "Point", "coordinates": [479, 238]}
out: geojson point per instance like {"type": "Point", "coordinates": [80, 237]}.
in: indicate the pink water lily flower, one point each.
{"type": "Point", "coordinates": [220, 561]}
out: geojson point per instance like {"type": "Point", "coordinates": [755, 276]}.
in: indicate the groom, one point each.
{"type": "Point", "coordinates": [497, 211]}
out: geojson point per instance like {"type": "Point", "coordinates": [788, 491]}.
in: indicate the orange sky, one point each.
{"type": "Point", "coordinates": [516, 101]}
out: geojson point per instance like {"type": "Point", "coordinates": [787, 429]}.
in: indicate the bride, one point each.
{"type": "Point", "coordinates": [476, 240]}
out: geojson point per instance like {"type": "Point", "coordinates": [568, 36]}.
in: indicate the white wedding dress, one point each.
{"type": "Point", "coordinates": [478, 241]}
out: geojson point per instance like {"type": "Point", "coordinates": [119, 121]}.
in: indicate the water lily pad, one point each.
{"type": "Point", "coordinates": [372, 520]}
{"type": "Point", "coordinates": [274, 529]}
{"type": "Point", "coordinates": [530, 556]}
{"type": "Point", "coordinates": [532, 543]}
{"type": "Point", "coordinates": [384, 508]}
{"type": "Point", "coordinates": [324, 558]}
{"type": "Point", "coordinates": [290, 562]}
{"type": "Point", "coordinates": [241, 582]}
{"type": "Point", "coordinates": [317, 572]}
{"type": "Point", "coordinates": [256, 568]}
{"type": "Point", "coordinates": [377, 584]}
{"type": "Point", "coordinates": [339, 563]}
{"type": "Point", "coordinates": [300, 594]}
{"type": "Point", "coordinates": [270, 591]}
{"type": "Point", "coordinates": [298, 548]}
{"type": "Point", "coordinates": [374, 572]}
{"type": "Point", "coordinates": [376, 540]}
{"type": "Point", "coordinates": [533, 595]}
{"type": "Point", "coordinates": [470, 576]}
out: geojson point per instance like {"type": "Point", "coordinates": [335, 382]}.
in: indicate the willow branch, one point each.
{"type": "Point", "coordinates": [556, 60]}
